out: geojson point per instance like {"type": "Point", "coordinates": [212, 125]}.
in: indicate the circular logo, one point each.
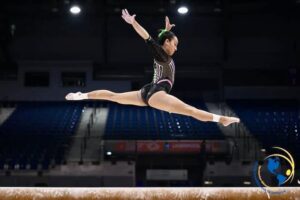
{"type": "Point", "coordinates": [276, 170]}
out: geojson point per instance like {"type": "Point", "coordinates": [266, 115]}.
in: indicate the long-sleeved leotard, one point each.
{"type": "Point", "coordinates": [164, 71]}
{"type": "Point", "coordinates": [164, 67]}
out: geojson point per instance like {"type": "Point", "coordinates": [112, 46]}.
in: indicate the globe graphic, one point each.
{"type": "Point", "coordinates": [275, 168]}
{"type": "Point", "coordinates": [275, 171]}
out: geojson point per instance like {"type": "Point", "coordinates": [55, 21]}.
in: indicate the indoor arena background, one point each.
{"type": "Point", "coordinates": [235, 57]}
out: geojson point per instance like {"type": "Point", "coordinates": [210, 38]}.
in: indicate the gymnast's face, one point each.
{"type": "Point", "coordinates": [170, 46]}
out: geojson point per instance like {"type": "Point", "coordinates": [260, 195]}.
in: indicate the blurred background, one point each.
{"type": "Point", "coordinates": [235, 57]}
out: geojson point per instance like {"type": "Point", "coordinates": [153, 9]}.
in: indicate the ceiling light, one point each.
{"type": "Point", "coordinates": [182, 10]}
{"type": "Point", "coordinates": [75, 10]}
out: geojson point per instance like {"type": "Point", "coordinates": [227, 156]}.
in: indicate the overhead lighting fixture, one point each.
{"type": "Point", "coordinates": [217, 10]}
{"type": "Point", "coordinates": [208, 182]}
{"type": "Point", "coordinates": [75, 10]}
{"type": "Point", "coordinates": [117, 9]}
{"type": "Point", "coordinates": [182, 10]}
{"type": "Point", "coordinates": [161, 10]}
{"type": "Point", "coordinates": [247, 183]}
{"type": "Point", "coordinates": [54, 9]}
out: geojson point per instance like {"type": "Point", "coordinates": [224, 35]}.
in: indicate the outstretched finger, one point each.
{"type": "Point", "coordinates": [166, 22]}
{"type": "Point", "coordinates": [127, 11]}
{"type": "Point", "coordinates": [123, 12]}
{"type": "Point", "coordinates": [167, 19]}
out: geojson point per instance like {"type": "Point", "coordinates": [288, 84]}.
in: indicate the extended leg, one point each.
{"type": "Point", "coordinates": [163, 101]}
{"type": "Point", "coordinates": [128, 98]}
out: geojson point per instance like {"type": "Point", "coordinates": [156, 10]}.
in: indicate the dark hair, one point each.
{"type": "Point", "coordinates": [163, 35]}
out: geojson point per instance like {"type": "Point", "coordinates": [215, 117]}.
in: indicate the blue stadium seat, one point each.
{"type": "Point", "coordinates": [273, 122]}
{"type": "Point", "coordinates": [36, 131]}
{"type": "Point", "coordinates": [133, 122]}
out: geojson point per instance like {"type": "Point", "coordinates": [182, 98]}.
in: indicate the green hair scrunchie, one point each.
{"type": "Point", "coordinates": [162, 32]}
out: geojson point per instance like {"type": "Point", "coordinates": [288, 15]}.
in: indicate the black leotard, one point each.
{"type": "Point", "coordinates": [164, 71]}
{"type": "Point", "coordinates": [164, 67]}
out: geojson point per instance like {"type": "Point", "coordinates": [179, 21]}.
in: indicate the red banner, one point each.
{"type": "Point", "coordinates": [124, 146]}
{"type": "Point", "coordinates": [150, 146]}
{"type": "Point", "coordinates": [168, 146]}
{"type": "Point", "coordinates": [217, 147]}
{"type": "Point", "coordinates": [183, 146]}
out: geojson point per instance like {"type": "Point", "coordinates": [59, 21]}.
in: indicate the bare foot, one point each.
{"type": "Point", "coordinates": [226, 121]}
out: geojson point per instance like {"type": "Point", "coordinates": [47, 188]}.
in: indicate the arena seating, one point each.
{"type": "Point", "coordinates": [273, 122]}
{"type": "Point", "coordinates": [37, 133]}
{"type": "Point", "coordinates": [132, 122]}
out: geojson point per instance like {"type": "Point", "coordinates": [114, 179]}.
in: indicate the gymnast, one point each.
{"type": "Point", "coordinates": [156, 94]}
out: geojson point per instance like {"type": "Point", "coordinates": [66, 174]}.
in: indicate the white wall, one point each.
{"type": "Point", "coordinates": [15, 90]}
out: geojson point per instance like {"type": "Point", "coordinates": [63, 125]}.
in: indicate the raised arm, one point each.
{"type": "Point", "coordinates": [168, 25]}
{"type": "Point", "coordinates": [130, 19]}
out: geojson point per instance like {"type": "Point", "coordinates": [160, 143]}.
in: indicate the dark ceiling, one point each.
{"type": "Point", "coordinates": [12, 13]}
{"type": "Point", "coordinates": [14, 8]}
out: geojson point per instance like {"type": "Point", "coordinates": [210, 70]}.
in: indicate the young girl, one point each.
{"type": "Point", "coordinates": [156, 94]}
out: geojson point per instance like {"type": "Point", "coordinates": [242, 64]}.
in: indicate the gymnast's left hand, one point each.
{"type": "Point", "coordinates": [127, 17]}
{"type": "Point", "coordinates": [168, 25]}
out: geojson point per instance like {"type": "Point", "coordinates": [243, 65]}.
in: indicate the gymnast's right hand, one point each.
{"type": "Point", "coordinates": [76, 96]}
{"type": "Point", "coordinates": [127, 17]}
